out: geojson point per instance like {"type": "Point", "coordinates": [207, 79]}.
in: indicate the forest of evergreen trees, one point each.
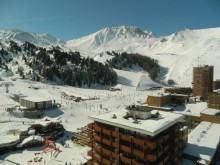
{"type": "Point", "coordinates": [125, 60]}
{"type": "Point", "coordinates": [63, 67]}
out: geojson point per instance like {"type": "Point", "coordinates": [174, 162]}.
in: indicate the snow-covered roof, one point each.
{"type": "Point", "coordinates": [191, 109]}
{"type": "Point", "coordinates": [47, 120]}
{"type": "Point", "coordinates": [30, 138]}
{"type": "Point", "coordinates": [36, 99]}
{"type": "Point", "coordinates": [10, 132]}
{"type": "Point", "coordinates": [203, 141]}
{"type": "Point", "coordinates": [211, 111]}
{"type": "Point", "coordinates": [151, 126]}
{"type": "Point", "coordinates": [160, 94]}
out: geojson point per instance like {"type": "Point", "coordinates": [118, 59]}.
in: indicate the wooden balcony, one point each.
{"type": "Point", "coordinates": [106, 161]}
{"type": "Point", "coordinates": [97, 157]}
{"type": "Point", "coordinates": [138, 141]}
{"type": "Point", "coordinates": [137, 163]}
{"type": "Point", "coordinates": [97, 138]}
{"type": "Point", "coordinates": [138, 153]}
{"type": "Point", "coordinates": [115, 145]}
{"type": "Point", "coordinates": [97, 148]}
{"type": "Point", "coordinates": [106, 152]}
{"type": "Point", "coordinates": [150, 145]}
{"type": "Point", "coordinates": [125, 137]}
{"type": "Point", "coordinates": [125, 148]}
{"type": "Point", "coordinates": [106, 131]}
{"type": "Point", "coordinates": [142, 142]}
{"type": "Point", "coordinates": [106, 141]}
{"type": "Point", "coordinates": [115, 155]}
{"type": "Point", "coordinates": [151, 157]}
{"type": "Point", "coordinates": [96, 128]}
{"type": "Point", "coordinates": [115, 134]}
{"type": "Point", "coordinates": [125, 160]}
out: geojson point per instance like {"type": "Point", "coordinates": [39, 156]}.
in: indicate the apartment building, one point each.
{"type": "Point", "coordinates": [213, 100]}
{"type": "Point", "coordinates": [137, 137]}
{"type": "Point", "coordinates": [202, 80]}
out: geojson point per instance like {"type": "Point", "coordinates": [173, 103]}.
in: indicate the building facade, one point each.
{"type": "Point", "coordinates": [158, 100]}
{"type": "Point", "coordinates": [35, 103]}
{"type": "Point", "coordinates": [202, 80]}
{"type": "Point", "coordinates": [213, 100]}
{"type": "Point", "coordinates": [187, 91]}
{"type": "Point", "coordinates": [115, 143]}
{"type": "Point", "coordinates": [216, 84]}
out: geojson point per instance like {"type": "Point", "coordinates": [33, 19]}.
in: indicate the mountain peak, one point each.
{"type": "Point", "coordinates": [111, 34]}
{"type": "Point", "coordinates": [121, 32]}
{"type": "Point", "coordinates": [37, 39]}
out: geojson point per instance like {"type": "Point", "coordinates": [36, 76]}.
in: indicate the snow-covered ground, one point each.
{"type": "Point", "coordinates": [74, 115]}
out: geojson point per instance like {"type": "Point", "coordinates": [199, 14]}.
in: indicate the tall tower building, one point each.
{"type": "Point", "coordinates": [202, 80]}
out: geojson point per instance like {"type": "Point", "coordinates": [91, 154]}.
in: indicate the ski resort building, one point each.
{"type": "Point", "coordinates": [16, 136]}
{"type": "Point", "coordinates": [137, 137]}
{"type": "Point", "coordinates": [216, 84]}
{"type": "Point", "coordinates": [211, 115]}
{"type": "Point", "coordinates": [35, 103]}
{"type": "Point", "coordinates": [202, 80]}
{"type": "Point", "coordinates": [158, 100]}
{"type": "Point", "coordinates": [213, 100]}
{"type": "Point", "coordinates": [186, 91]}
{"type": "Point", "coordinates": [203, 147]}
{"type": "Point", "coordinates": [161, 100]}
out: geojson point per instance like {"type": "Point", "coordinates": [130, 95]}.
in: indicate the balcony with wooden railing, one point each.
{"type": "Point", "coordinates": [115, 145]}
{"type": "Point", "coordinates": [106, 131]}
{"type": "Point", "coordinates": [125, 160]}
{"type": "Point", "coordinates": [127, 138]}
{"type": "Point", "coordinates": [106, 141]}
{"type": "Point", "coordinates": [97, 138]}
{"type": "Point", "coordinates": [151, 157]}
{"type": "Point", "coordinates": [97, 148]}
{"type": "Point", "coordinates": [115, 134]}
{"type": "Point", "coordinates": [96, 128]}
{"type": "Point", "coordinates": [138, 152]}
{"type": "Point", "coordinates": [125, 149]}
{"type": "Point", "coordinates": [96, 157]}
{"type": "Point", "coordinates": [137, 163]}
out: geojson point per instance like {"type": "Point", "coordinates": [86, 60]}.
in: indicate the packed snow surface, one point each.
{"type": "Point", "coordinates": [203, 141]}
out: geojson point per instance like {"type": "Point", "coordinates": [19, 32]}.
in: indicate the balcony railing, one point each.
{"type": "Point", "coordinates": [106, 131]}
{"type": "Point", "coordinates": [151, 157]}
{"type": "Point", "coordinates": [106, 141]}
{"type": "Point", "coordinates": [125, 137]}
{"type": "Point", "coordinates": [138, 153]}
{"type": "Point", "coordinates": [115, 145]}
{"type": "Point", "coordinates": [125, 148]}
{"type": "Point", "coordinates": [115, 134]}
{"type": "Point", "coordinates": [97, 138]}
{"type": "Point", "coordinates": [137, 163]}
{"type": "Point", "coordinates": [96, 128]}
{"type": "Point", "coordinates": [125, 160]}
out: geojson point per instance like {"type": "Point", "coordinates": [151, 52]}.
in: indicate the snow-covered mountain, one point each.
{"type": "Point", "coordinates": [109, 35]}
{"type": "Point", "coordinates": [36, 39]}
{"type": "Point", "coordinates": [177, 53]}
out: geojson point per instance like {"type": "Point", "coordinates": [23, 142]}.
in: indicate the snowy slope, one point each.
{"type": "Point", "coordinates": [36, 39]}
{"type": "Point", "coordinates": [177, 53]}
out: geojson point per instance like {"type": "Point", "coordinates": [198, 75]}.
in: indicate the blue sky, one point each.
{"type": "Point", "coordinates": [69, 19]}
